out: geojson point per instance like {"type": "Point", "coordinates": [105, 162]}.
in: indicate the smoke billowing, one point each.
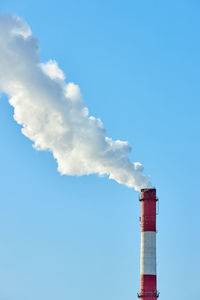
{"type": "Point", "coordinates": [52, 112]}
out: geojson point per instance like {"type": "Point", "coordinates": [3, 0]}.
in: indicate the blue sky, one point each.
{"type": "Point", "coordinates": [137, 64]}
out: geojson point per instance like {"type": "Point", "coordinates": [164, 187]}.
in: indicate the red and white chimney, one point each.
{"type": "Point", "coordinates": [148, 280]}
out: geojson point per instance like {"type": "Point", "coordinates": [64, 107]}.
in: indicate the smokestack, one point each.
{"type": "Point", "coordinates": [148, 279]}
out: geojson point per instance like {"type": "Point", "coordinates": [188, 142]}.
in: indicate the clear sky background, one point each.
{"type": "Point", "coordinates": [138, 66]}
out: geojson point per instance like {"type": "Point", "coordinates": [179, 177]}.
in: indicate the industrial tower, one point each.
{"type": "Point", "coordinates": [148, 279]}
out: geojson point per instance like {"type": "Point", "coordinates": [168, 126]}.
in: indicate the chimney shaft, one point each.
{"type": "Point", "coordinates": [148, 280]}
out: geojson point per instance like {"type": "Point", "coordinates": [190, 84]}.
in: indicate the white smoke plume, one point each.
{"type": "Point", "coordinates": [52, 112]}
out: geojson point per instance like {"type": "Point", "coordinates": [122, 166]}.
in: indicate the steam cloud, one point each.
{"type": "Point", "coordinates": [52, 112]}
